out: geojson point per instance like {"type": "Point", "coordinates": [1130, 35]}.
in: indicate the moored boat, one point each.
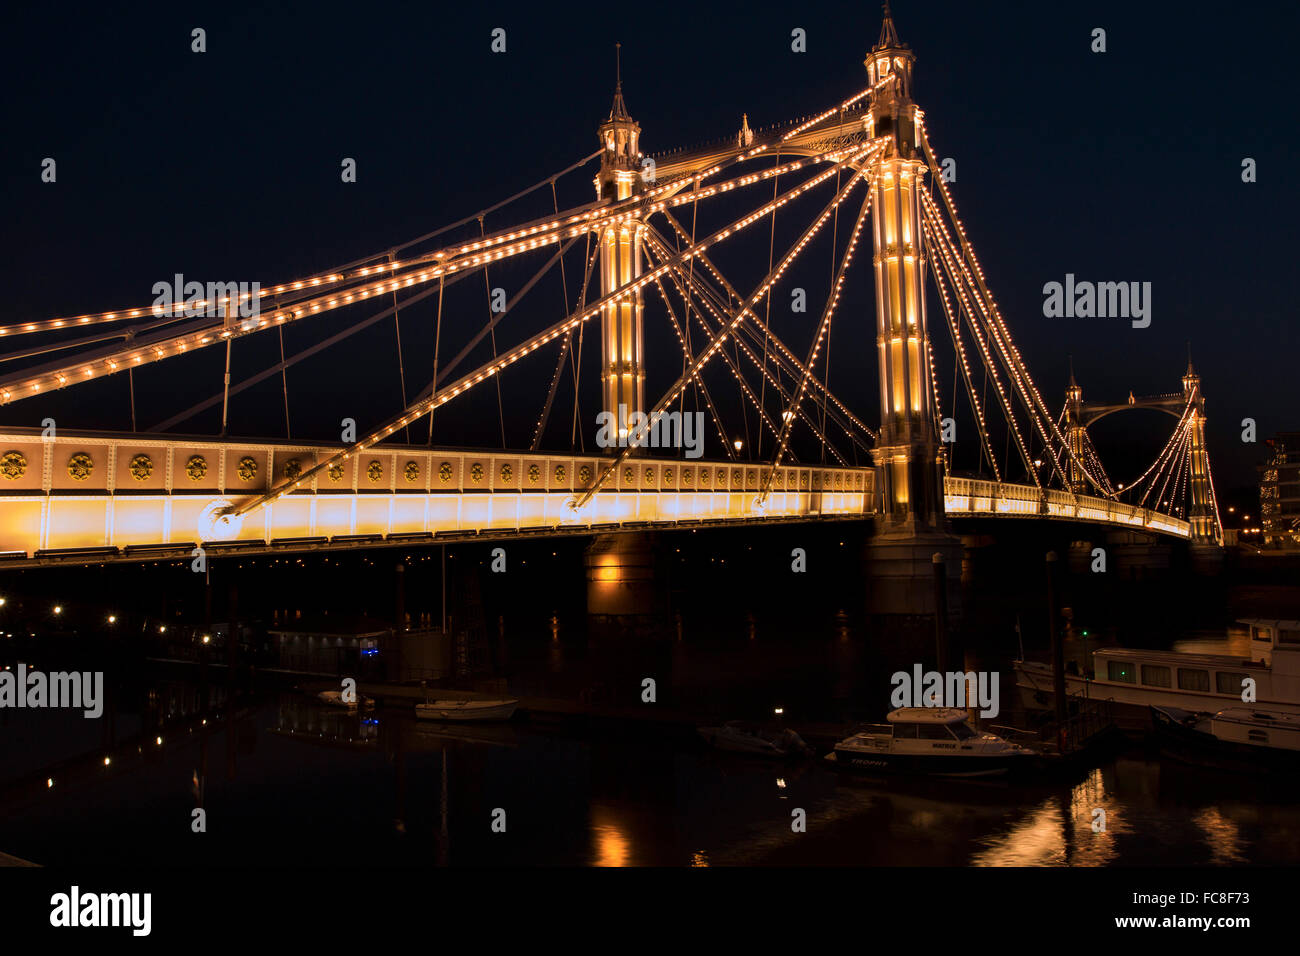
{"type": "Point", "coordinates": [929, 740]}
{"type": "Point", "coordinates": [1137, 680]}
{"type": "Point", "coordinates": [740, 736]}
{"type": "Point", "coordinates": [1236, 739]}
{"type": "Point", "coordinates": [334, 698]}
{"type": "Point", "coordinates": [492, 708]}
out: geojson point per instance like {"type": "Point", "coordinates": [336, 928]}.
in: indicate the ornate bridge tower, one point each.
{"type": "Point", "coordinates": [912, 527]}
{"type": "Point", "coordinates": [1076, 434]}
{"type": "Point", "coordinates": [622, 369]}
{"type": "Point", "coordinates": [1205, 529]}
{"type": "Point", "coordinates": [908, 452]}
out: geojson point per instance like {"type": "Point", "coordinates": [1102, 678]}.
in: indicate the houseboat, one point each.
{"type": "Point", "coordinates": [1136, 680]}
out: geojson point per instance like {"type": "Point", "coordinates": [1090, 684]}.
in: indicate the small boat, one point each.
{"type": "Point", "coordinates": [334, 698]}
{"type": "Point", "coordinates": [929, 740]}
{"type": "Point", "coordinates": [740, 736]}
{"type": "Point", "coordinates": [1237, 739]}
{"type": "Point", "coordinates": [492, 708]}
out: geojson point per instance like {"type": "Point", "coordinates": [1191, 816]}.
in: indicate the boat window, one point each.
{"type": "Point", "coordinates": [1262, 633]}
{"type": "Point", "coordinates": [962, 731]}
{"type": "Point", "coordinates": [904, 731]}
{"type": "Point", "coordinates": [1288, 637]}
{"type": "Point", "coordinates": [933, 732]}
{"type": "Point", "coordinates": [1258, 736]}
{"type": "Point", "coordinates": [1227, 682]}
{"type": "Point", "coordinates": [1154, 675]}
{"type": "Point", "coordinates": [1193, 680]}
{"type": "Point", "coordinates": [1121, 671]}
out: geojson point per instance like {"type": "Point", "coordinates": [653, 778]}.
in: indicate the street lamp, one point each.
{"type": "Point", "coordinates": [738, 444]}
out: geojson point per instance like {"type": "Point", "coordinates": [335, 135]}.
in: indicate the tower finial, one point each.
{"type": "Point", "coordinates": [888, 35]}
{"type": "Point", "coordinates": [619, 110]}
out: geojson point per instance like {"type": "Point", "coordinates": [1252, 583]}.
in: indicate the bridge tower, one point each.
{"type": "Point", "coordinates": [622, 337]}
{"type": "Point", "coordinates": [1205, 529]}
{"type": "Point", "coordinates": [912, 526]}
{"type": "Point", "coordinates": [1075, 433]}
{"type": "Point", "coordinates": [908, 452]}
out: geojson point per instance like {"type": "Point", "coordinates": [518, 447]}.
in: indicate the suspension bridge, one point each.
{"type": "Point", "coordinates": [645, 257]}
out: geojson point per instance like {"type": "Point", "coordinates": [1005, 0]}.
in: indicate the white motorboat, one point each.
{"type": "Point", "coordinates": [1237, 738]}
{"type": "Point", "coordinates": [1269, 679]}
{"type": "Point", "coordinates": [492, 708]}
{"type": "Point", "coordinates": [740, 736]}
{"type": "Point", "coordinates": [929, 740]}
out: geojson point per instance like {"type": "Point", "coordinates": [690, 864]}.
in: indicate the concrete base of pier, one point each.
{"type": "Point", "coordinates": [620, 571]}
{"type": "Point", "coordinates": [900, 573]}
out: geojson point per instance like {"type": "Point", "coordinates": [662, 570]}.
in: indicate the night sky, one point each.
{"type": "Point", "coordinates": [1122, 166]}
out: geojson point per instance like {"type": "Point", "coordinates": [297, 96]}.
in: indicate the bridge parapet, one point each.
{"type": "Point", "coordinates": [95, 491]}
{"type": "Point", "coordinates": [975, 496]}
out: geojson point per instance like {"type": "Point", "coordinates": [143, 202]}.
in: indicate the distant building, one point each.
{"type": "Point", "coordinates": [1279, 492]}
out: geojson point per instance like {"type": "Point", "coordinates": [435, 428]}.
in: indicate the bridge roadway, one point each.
{"type": "Point", "coordinates": [97, 497]}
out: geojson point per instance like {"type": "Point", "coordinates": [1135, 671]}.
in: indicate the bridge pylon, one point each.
{"type": "Point", "coordinates": [1205, 529]}
{"type": "Point", "coordinates": [912, 525]}
{"type": "Point", "coordinates": [622, 323]}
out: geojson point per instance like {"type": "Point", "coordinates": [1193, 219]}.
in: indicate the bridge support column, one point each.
{"type": "Point", "coordinates": [912, 526]}
{"type": "Point", "coordinates": [1135, 555]}
{"type": "Point", "coordinates": [622, 373]}
{"type": "Point", "coordinates": [900, 574]}
{"type": "Point", "coordinates": [621, 581]}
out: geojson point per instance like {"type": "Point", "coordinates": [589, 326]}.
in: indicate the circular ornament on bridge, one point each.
{"type": "Point", "coordinates": [803, 480]}
{"type": "Point", "coordinates": [196, 467]}
{"type": "Point", "coordinates": [336, 471]}
{"type": "Point", "coordinates": [141, 467]}
{"type": "Point", "coordinates": [247, 469]}
{"type": "Point", "coordinates": [411, 472]}
{"type": "Point", "coordinates": [13, 465]}
{"type": "Point", "coordinates": [584, 474]}
{"type": "Point", "coordinates": [686, 476]}
{"type": "Point", "coordinates": [534, 473]}
{"type": "Point", "coordinates": [736, 477]}
{"type": "Point", "coordinates": [668, 476]}
{"type": "Point", "coordinates": [507, 472]}
{"type": "Point", "coordinates": [213, 525]}
{"type": "Point", "coordinates": [444, 472]}
{"type": "Point", "coordinates": [559, 474]}
{"type": "Point", "coordinates": [629, 476]}
{"type": "Point", "coordinates": [839, 481]}
{"type": "Point", "coordinates": [292, 469]}
{"type": "Point", "coordinates": [704, 476]}
{"type": "Point", "coordinates": [750, 476]}
{"type": "Point", "coordinates": [80, 466]}
{"type": "Point", "coordinates": [722, 476]}
{"type": "Point", "coordinates": [476, 472]}
{"type": "Point", "coordinates": [650, 476]}
{"type": "Point", "coordinates": [374, 471]}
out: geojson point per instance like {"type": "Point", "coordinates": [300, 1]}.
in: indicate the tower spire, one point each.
{"type": "Point", "coordinates": [888, 34]}
{"type": "Point", "coordinates": [619, 109]}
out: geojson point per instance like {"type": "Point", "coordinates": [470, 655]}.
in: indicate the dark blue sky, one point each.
{"type": "Point", "coordinates": [1117, 166]}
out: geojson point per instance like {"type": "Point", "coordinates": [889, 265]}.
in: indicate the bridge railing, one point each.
{"type": "Point", "coordinates": [111, 491]}
{"type": "Point", "coordinates": [978, 496]}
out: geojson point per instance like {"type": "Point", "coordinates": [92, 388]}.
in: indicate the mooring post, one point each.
{"type": "Point", "coordinates": [940, 611]}
{"type": "Point", "coordinates": [1058, 651]}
